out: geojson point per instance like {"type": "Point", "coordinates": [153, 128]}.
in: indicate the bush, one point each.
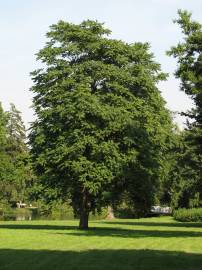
{"type": "Point", "coordinates": [102, 214]}
{"type": "Point", "coordinates": [188, 215]}
{"type": "Point", "coordinates": [124, 213]}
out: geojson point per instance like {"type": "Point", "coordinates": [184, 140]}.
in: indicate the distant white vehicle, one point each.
{"type": "Point", "coordinates": [157, 209]}
{"type": "Point", "coordinates": [21, 205]}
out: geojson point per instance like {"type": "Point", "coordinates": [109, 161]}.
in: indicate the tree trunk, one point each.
{"type": "Point", "coordinates": [83, 223]}
{"type": "Point", "coordinates": [110, 213]}
{"type": "Point", "coordinates": [84, 212]}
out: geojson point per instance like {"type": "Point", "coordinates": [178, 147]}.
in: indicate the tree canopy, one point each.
{"type": "Point", "coordinates": [101, 121]}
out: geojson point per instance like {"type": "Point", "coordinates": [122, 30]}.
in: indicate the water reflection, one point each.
{"type": "Point", "coordinates": [33, 215]}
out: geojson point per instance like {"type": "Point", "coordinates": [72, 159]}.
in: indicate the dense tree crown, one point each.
{"type": "Point", "coordinates": [101, 120]}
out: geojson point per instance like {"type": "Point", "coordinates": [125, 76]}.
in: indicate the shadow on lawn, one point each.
{"type": "Point", "coordinates": [98, 260]}
{"type": "Point", "coordinates": [133, 233]}
{"type": "Point", "coordinates": [104, 231]}
{"type": "Point", "coordinates": [156, 224]}
{"type": "Point", "coordinates": [36, 227]}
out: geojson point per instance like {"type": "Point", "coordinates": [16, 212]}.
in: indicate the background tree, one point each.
{"type": "Point", "coordinates": [101, 124]}
{"type": "Point", "coordinates": [16, 133]}
{"type": "Point", "coordinates": [15, 166]}
{"type": "Point", "coordinates": [189, 71]}
{"type": "Point", "coordinates": [18, 151]}
{"type": "Point", "coordinates": [5, 164]}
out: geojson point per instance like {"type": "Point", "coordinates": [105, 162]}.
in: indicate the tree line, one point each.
{"type": "Point", "coordinates": [103, 136]}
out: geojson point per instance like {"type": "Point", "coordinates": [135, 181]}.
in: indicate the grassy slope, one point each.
{"type": "Point", "coordinates": [144, 244]}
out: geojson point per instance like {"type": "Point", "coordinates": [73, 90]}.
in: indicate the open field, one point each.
{"type": "Point", "coordinates": [144, 244]}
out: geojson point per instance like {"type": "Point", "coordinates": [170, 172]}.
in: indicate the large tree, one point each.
{"type": "Point", "coordinates": [101, 122]}
{"type": "Point", "coordinates": [189, 58]}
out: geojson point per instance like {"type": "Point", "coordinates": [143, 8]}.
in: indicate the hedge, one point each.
{"type": "Point", "coordinates": [188, 215]}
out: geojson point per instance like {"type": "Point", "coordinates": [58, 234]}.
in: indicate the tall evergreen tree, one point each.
{"type": "Point", "coordinates": [189, 71]}
{"type": "Point", "coordinates": [15, 167]}
{"type": "Point", "coordinates": [2, 128]}
{"type": "Point", "coordinates": [5, 164]}
{"type": "Point", "coordinates": [16, 131]}
{"type": "Point", "coordinates": [18, 152]}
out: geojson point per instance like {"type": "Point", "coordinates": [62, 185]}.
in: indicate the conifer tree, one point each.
{"type": "Point", "coordinates": [189, 58]}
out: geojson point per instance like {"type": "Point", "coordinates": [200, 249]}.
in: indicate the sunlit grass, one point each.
{"type": "Point", "coordinates": [154, 243]}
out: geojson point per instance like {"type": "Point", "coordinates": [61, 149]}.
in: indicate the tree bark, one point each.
{"type": "Point", "coordinates": [83, 223]}
{"type": "Point", "coordinates": [84, 212]}
{"type": "Point", "coordinates": [110, 213]}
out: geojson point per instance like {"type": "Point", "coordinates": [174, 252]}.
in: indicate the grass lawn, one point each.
{"type": "Point", "coordinates": [143, 244]}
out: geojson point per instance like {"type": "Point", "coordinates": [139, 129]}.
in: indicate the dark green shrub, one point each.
{"type": "Point", "coordinates": [124, 213]}
{"type": "Point", "coordinates": [125, 210]}
{"type": "Point", "coordinates": [188, 215]}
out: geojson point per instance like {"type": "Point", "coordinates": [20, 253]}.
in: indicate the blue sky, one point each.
{"type": "Point", "coordinates": [25, 22]}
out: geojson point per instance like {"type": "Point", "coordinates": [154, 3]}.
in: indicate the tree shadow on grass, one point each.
{"type": "Point", "coordinates": [132, 233]}
{"type": "Point", "coordinates": [104, 231]}
{"type": "Point", "coordinates": [37, 227]}
{"type": "Point", "coordinates": [98, 260]}
{"type": "Point", "coordinates": [156, 224]}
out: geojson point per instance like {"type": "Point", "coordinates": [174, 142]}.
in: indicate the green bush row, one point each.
{"type": "Point", "coordinates": [188, 215]}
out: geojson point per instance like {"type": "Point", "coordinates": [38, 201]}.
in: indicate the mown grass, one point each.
{"type": "Point", "coordinates": [144, 244]}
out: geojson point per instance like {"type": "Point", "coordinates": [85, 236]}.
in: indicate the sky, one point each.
{"type": "Point", "coordinates": [25, 22]}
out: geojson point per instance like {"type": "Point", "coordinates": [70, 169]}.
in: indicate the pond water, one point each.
{"type": "Point", "coordinates": [18, 215]}
{"type": "Point", "coordinates": [34, 214]}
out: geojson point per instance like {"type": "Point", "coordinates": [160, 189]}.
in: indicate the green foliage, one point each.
{"type": "Point", "coordinates": [177, 189]}
{"type": "Point", "coordinates": [6, 167]}
{"type": "Point", "coordinates": [53, 210]}
{"type": "Point", "coordinates": [188, 215]}
{"type": "Point", "coordinates": [16, 134]}
{"type": "Point", "coordinates": [101, 124]}
{"type": "Point", "coordinates": [15, 167]}
{"type": "Point", "coordinates": [187, 189]}
{"type": "Point", "coordinates": [189, 71]}
{"type": "Point", "coordinates": [188, 55]}
{"type": "Point", "coordinates": [125, 211]}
